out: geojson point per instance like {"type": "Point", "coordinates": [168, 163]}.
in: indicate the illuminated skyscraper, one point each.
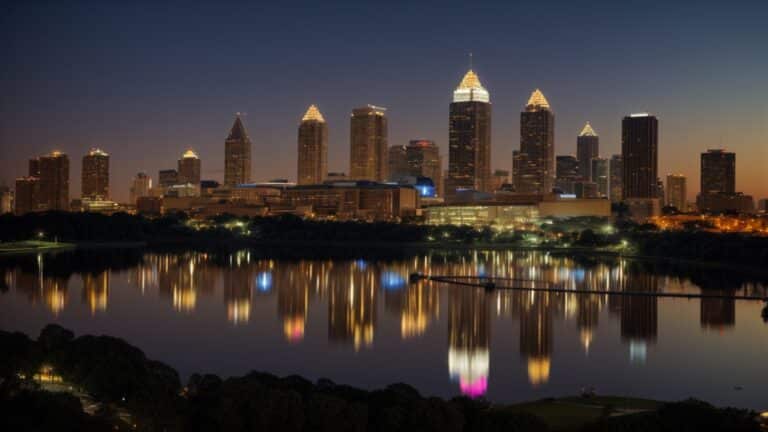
{"type": "Point", "coordinates": [676, 191]}
{"type": "Point", "coordinates": [313, 148]}
{"type": "Point", "coordinates": [189, 169]}
{"type": "Point", "coordinates": [140, 187]}
{"type": "Point", "coordinates": [168, 177]}
{"type": "Point", "coordinates": [95, 175]}
{"type": "Point", "coordinates": [616, 168]}
{"type": "Point", "coordinates": [237, 155]}
{"type": "Point", "coordinates": [469, 138]}
{"type": "Point", "coordinates": [368, 157]}
{"type": "Point", "coordinates": [534, 164]}
{"type": "Point", "coordinates": [639, 148]}
{"type": "Point", "coordinates": [587, 148]}
{"type": "Point", "coordinates": [718, 172]}
{"type": "Point", "coordinates": [6, 200]}
{"type": "Point", "coordinates": [54, 181]}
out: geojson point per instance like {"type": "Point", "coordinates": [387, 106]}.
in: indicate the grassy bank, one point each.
{"type": "Point", "coordinates": [33, 246]}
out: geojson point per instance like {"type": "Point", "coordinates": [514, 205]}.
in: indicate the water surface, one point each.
{"type": "Point", "coordinates": [359, 321]}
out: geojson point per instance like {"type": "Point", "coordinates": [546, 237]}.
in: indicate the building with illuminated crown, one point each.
{"type": "Point", "coordinates": [534, 164]}
{"type": "Point", "coordinates": [587, 148]}
{"type": "Point", "coordinates": [368, 156]}
{"type": "Point", "coordinates": [469, 138]}
{"type": "Point", "coordinates": [95, 175]}
{"type": "Point", "coordinates": [189, 169]}
{"type": "Point", "coordinates": [313, 148]}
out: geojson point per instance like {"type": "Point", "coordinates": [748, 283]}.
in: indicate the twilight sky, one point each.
{"type": "Point", "coordinates": [145, 81]}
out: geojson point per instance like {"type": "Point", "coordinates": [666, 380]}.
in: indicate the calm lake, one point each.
{"type": "Point", "coordinates": [359, 321]}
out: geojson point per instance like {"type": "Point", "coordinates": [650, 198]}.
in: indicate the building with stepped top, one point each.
{"type": "Point", "coordinates": [534, 163]}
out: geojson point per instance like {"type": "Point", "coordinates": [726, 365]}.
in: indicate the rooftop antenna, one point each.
{"type": "Point", "coordinates": [470, 60]}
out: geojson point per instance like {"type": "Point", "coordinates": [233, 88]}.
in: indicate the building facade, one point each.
{"type": "Point", "coordinates": [368, 144]}
{"type": "Point", "coordinates": [587, 148]}
{"type": "Point", "coordinates": [469, 138]}
{"type": "Point", "coordinates": [600, 173]}
{"type": "Point", "coordinates": [237, 155]}
{"type": "Point", "coordinates": [54, 181]}
{"type": "Point", "coordinates": [398, 163]}
{"type": "Point", "coordinates": [616, 172]}
{"type": "Point", "coordinates": [718, 172]}
{"type": "Point", "coordinates": [313, 148]}
{"type": "Point", "coordinates": [27, 195]}
{"type": "Point", "coordinates": [424, 159]}
{"type": "Point", "coordinates": [167, 178]}
{"type": "Point", "coordinates": [676, 192]}
{"type": "Point", "coordinates": [189, 168]}
{"type": "Point", "coordinates": [534, 163]}
{"type": "Point", "coordinates": [140, 187]}
{"type": "Point", "coordinates": [639, 150]}
{"type": "Point", "coordinates": [95, 175]}
{"type": "Point", "coordinates": [567, 173]}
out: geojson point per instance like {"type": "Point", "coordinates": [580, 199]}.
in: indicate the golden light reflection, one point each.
{"type": "Point", "coordinates": [538, 370]}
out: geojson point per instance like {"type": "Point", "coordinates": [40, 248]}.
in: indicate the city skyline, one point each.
{"type": "Point", "coordinates": [696, 112]}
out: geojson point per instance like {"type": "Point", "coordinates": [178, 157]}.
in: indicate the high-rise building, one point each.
{"type": "Point", "coordinates": [6, 200]}
{"type": "Point", "coordinates": [95, 175]}
{"type": "Point", "coordinates": [167, 178]}
{"type": "Point", "coordinates": [398, 162]}
{"type": "Point", "coordinates": [567, 172]}
{"type": "Point", "coordinates": [423, 158]}
{"type": "Point", "coordinates": [587, 148]}
{"type": "Point", "coordinates": [313, 148]}
{"type": "Point", "coordinates": [140, 187]}
{"type": "Point", "coordinates": [27, 195]}
{"type": "Point", "coordinates": [616, 168]}
{"type": "Point", "coordinates": [639, 149]}
{"type": "Point", "coordinates": [189, 169]}
{"type": "Point", "coordinates": [368, 144]}
{"type": "Point", "coordinates": [54, 181]}
{"type": "Point", "coordinates": [676, 192]}
{"type": "Point", "coordinates": [600, 176]}
{"type": "Point", "coordinates": [718, 172]}
{"type": "Point", "coordinates": [534, 163]}
{"type": "Point", "coordinates": [469, 138]}
{"type": "Point", "coordinates": [237, 155]}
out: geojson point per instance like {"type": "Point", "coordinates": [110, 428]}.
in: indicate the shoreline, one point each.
{"type": "Point", "coordinates": [362, 245]}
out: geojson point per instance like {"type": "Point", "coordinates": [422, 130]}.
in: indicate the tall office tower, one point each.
{"type": "Point", "coordinates": [27, 195]}
{"type": "Point", "coordinates": [616, 168]}
{"type": "Point", "coordinates": [567, 173]}
{"type": "Point", "coordinates": [640, 148]}
{"type": "Point", "coordinates": [34, 167]}
{"type": "Point", "coordinates": [398, 163]}
{"type": "Point", "coordinates": [189, 168]}
{"type": "Point", "coordinates": [237, 155]}
{"type": "Point", "coordinates": [469, 137]}
{"type": "Point", "coordinates": [718, 172]}
{"type": "Point", "coordinates": [423, 158]}
{"type": "Point", "coordinates": [167, 178]}
{"type": "Point", "coordinates": [313, 148]}
{"type": "Point", "coordinates": [535, 162]}
{"type": "Point", "coordinates": [95, 175]}
{"type": "Point", "coordinates": [600, 176]}
{"type": "Point", "coordinates": [54, 181]}
{"type": "Point", "coordinates": [676, 192]}
{"type": "Point", "coordinates": [587, 148]}
{"type": "Point", "coordinates": [368, 141]}
{"type": "Point", "coordinates": [140, 187]}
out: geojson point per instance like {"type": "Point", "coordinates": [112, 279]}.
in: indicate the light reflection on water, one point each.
{"type": "Point", "coordinates": [379, 328]}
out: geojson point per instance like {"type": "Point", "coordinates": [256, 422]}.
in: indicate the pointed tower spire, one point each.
{"type": "Point", "coordinates": [537, 101]}
{"type": "Point", "coordinates": [238, 130]}
{"type": "Point", "coordinates": [588, 131]}
{"type": "Point", "coordinates": [313, 114]}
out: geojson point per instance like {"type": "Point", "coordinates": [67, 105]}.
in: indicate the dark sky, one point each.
{"type": "Point", "coordinates": [145, 81]}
